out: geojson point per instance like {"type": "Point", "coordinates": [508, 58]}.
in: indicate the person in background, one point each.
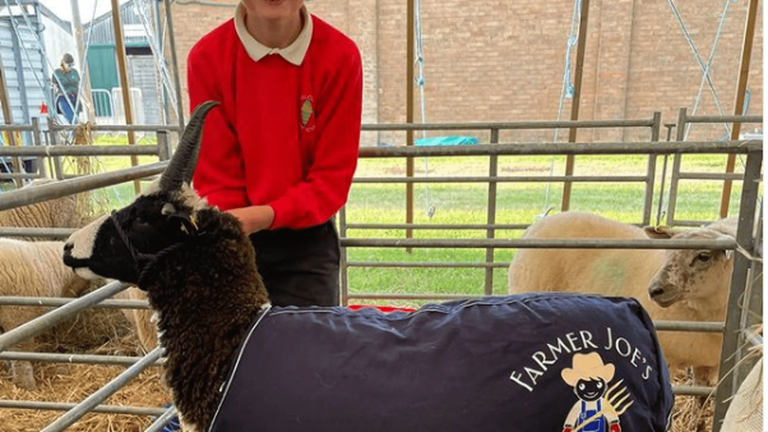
{"type": "Point", "coordinates": [66, 81]}
{"type": "Point", "coordinates": [280, 151]}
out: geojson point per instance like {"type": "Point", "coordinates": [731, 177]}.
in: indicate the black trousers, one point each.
{"type": "Point", "coordinates": [299, 267]}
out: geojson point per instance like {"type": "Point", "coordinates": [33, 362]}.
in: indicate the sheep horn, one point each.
{"type": "Point", "coordinates": [184, 159]}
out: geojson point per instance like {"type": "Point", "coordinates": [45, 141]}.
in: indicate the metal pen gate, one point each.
{"type": "Point", "coordinates": [746, 269]}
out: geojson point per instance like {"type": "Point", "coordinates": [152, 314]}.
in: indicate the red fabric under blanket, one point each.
{"type": "Point", "coordinates": [385, 309]}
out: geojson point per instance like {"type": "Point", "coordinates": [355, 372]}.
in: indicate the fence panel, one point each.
{"type": "Point", "coordinates": [489, 243]}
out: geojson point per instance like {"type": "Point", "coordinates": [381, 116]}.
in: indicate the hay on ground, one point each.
{"type": "Point", "coordinates": [93, 331]}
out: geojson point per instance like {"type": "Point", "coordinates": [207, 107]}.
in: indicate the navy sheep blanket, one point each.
{"type": "Point", "coordinates": [538, 362]}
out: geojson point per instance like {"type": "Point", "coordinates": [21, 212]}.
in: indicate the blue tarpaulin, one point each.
{"type": "Point", "coordinates": [445, 141]}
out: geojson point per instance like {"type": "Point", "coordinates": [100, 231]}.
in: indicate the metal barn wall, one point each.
{"type": "Point", "coordinates": [142, 74]}
{"type": "Point", "coordinates": [24, 71]}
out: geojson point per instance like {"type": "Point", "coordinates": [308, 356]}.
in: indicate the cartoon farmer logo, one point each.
{"type": "Point", "coordinates": [599, 407]}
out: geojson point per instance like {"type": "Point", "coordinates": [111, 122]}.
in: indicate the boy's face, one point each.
{"type": "Point", "coordinates": [273, 9]}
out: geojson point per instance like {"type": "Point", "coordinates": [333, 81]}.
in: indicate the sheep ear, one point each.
{"type": "Point", "coordinates": [184, 160]}
{"type": "Point", "coordinates": [168, 209]}
{"type": "Point", "coordinates": [660, 232]}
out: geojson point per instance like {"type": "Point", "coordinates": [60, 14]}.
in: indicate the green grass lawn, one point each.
{"type": "Point", "coordinates": [466, 203]}
{"type": "Point", "coordinates": [517, 203]}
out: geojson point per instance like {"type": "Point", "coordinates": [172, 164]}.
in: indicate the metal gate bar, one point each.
{"type": "Point", "coordinates": [741, 147]}
{"type": "Point", "coordinates": [103, 393]}
{"type": "Point", "coordinates": [56, 316]}
{"type": "Point", "coordinates": [62, 406]}
{"type": "Point", "coordinates": [683, 121]}
{"type": "Point", "coordinates": [73, 358]}
{"type": "Point", "coordinates": [733, 342]}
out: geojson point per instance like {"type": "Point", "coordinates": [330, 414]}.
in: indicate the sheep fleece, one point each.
{"type": "Point", "coordinates": [490, 364]}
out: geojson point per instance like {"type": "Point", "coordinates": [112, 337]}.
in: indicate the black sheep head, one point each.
{"type": "Point", "coordinates": [122, 245]}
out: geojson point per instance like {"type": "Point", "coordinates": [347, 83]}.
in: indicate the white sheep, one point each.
{"type": "Point", "coordinates": [142, 320]}
{"type": "Point", "coordinates": [689, 285]}
{"type": "Point", "coordinates": [461, 366]}
{"type": "Point", "coordinates": [32, 269]}
{"type": "Point", "coordinates": [54, 213]}
{"type": "Point", "coordinates": [63, 213]}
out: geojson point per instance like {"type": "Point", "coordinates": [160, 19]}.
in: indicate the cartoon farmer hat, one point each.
{"type": "Point", "coordinates": [587, 366]}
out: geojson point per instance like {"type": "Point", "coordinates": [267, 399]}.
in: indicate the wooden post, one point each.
{"type": "Point", "coordinates": [8, 119]}
{"type": "Point", "coordinates": [741, 90]}
{"type": "Point", "coordinates": [580, 51]}
{"type": "Point", "coordinates": [409, 114]}
{"type": "Point", "coordinates": [126, 90]}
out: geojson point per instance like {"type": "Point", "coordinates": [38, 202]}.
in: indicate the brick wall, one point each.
{"type": "Point", "coordinates": [499, 60]}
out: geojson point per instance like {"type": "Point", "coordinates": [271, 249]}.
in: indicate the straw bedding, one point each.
{"type": "Point", "coordinates": [96, 331]}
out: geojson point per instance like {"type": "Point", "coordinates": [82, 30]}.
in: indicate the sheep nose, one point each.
{"type": "Point", "coordinates": [656, 291]}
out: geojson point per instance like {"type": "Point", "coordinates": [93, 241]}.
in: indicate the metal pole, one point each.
{"type": "Point", "coordinates": [57, 166]}
{"type": "Point", "coordinates": [731, 351]}
{"type": "Point", "coordinates": [37, 140]}
{"type": "Point", "coordinates": [56, 316]}
{"type": "Point", "coordinates": [175, 65]}
{"type": "Point", "coordinates": [651, 171]}
{"type": "Point", "coordinates": [344, 259]}
{"type": "Point", "coordinates": [103, 393]}
{"type": "Point", "coordinates": [164, 93]}
{"type": "Point", "coordinates": [164, 150]}
{"type": "Point", "coordinates": [58, 189]}
{"type": "Point", "coordinates": [576, 101]}
{"type": "Point", "coordinates": [78, 26]}
{"type": "Point", "coordinates": [741, 90]}
{"type": "Point", "coordinates": [66, 406]}
{"type": "Point", "coordinates": [493, 170]}
{"type": "Point", "coordinates": [669, 127]}
{"type": "Point", "coordinates": [409, 53]}
{"type": "Point", "coordinates": [124, 86]}
{"type": "Point", "coordinates": [677, 162]}
{"type": "Point", "coordinates": [90, 359]}
{"type": "Point", "coordinates": [551, 148]}
{"type": "Point", "coordinates": [161, 421]}
{"type": "Point", "coordinates": [484, 243]}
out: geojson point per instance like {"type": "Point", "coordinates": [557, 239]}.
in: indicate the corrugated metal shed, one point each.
{"type": "Point", "coordinates": [137, 17]}
{"type": "Point", "coordinates": [25, 74]}
{"type": "Point", "coordinates": [102, 32]}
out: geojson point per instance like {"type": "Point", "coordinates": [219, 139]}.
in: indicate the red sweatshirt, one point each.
{"type": "Point", "coordinates": [285, 136]}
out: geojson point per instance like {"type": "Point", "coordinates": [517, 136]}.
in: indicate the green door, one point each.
{"type": "Point", "coordinates": [102, 69]}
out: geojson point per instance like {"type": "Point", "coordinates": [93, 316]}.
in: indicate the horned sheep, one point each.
{"type": "Point", "coordinates": [689, 285]}
{"type": "Point", "coordinates": [198, 269]}
{"type": "Point", "coordinates": [32, 269]}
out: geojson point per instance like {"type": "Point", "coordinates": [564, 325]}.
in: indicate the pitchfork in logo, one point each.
{"type": "Point", "coordinates": [598, 408]}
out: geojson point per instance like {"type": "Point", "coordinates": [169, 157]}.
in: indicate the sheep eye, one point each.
{"type": "Point", "coordinates": [599, 385]}
{"type": "Point", "coordinates": [582, 386]}
{"type": "Point", "coordinates": [703, 257]}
